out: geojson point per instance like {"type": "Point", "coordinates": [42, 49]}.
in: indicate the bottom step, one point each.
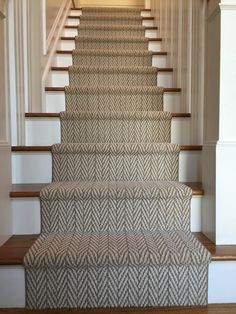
{"type": "Point", "coordinates": [222, 273]}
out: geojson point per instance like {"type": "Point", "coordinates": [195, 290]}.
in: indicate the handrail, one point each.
{"type": "Point", "coordinates": [73, 3]}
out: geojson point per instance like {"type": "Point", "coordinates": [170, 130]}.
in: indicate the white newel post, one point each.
{"type": "Point", "coordinates": [219, 153]}
{"type": "Point", "coordinates": [226, 145]}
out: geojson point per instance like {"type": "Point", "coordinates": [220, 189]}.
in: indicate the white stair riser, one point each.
{"type": "Point", "coordinates": [79, 12]}
{"type": "Point", "coordinates": [64, 60]}
{"type": "Point", "coordinates": [70, 45]}
{"type": "Point", "coordinates": [55, 102]}
{"type": "Point", "coordinates": [221, 280]}
{"type": "Point", "coordinates": [26, 215]}
{"type": "Point", "coordinates": [61, 79]}
{"type": "Point", "coordinates": [12, 286]}
{"type": "Point", "coordinates": [36, 167]}
{"type": "Point", "coordinates": [149, 33]}
{"type": "Point", "coordinates": [76, 21]}
{"type": "Point", "coordinates": [46, 131]}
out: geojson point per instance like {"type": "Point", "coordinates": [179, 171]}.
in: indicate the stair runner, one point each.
{"type": "Point", "coordinates": [115, 220]}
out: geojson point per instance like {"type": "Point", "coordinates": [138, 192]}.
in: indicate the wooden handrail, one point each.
{"type": "Point", "coordinates": [73, 3]}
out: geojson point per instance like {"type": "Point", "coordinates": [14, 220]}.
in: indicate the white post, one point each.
{"type": "Point", "coordinates": [226, 146]}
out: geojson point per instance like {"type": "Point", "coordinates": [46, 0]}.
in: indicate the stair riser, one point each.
{"type": "Point", "coordinates": [46, 131]}
{"type": "Point", "coordinates": [64, 60]}
{"type": "Point", "coordinates": [221, 280]}
{"type": "Point", "coordinates": [36, 167]}
{"type": "Point", "coordinates": [55, 102]}
{"type": "Point", "coordinates": [61, 79]}
{"type": "Point", "coordinates": [70, 45]}
{"type": "Point", "coordinates": [149, 33]}
{"type": "Point", "coordinates": [27, 220]}
{"type": "Point", "coordinates": [76, 21]}
{"type": "Point", "coordinates": [79, 12]}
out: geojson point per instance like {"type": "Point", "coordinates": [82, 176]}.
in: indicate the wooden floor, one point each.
{"type": "Point", "coordinates": [211, 309]}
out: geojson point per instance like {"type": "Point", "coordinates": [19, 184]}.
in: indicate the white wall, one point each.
{"type": "Point", "coordinates": [5, 153]}
{"type": "Point", "coordinates": [52, 9]}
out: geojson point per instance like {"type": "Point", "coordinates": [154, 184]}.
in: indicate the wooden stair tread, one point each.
{"type": "Point", "coordinates": [81, 8]}
{"type": "Point", "coordinates": [149, 18]}
{"type": "Point", "coordinates": [57, 115]}
{"type": "Point", "coordinates": [148, 38]}
{"type": "Point", "coordinates": [154, 53]}
{"type": "Point", "coordinates": [66, 69]}
{"type": "Point", "coordinates": [33, 189]}
{"type": "Point", "coordinates": [13, 251]}
{"type": "Point", "coordinates": [62, 89]}
{"type": "Point", "coordinates": [49, 148]}
{"type": "Point", "coordinates": [146, 27]}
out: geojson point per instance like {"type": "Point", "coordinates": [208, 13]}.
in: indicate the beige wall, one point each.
{"type": "Point", "coordinates": [112, 3]}
{"type": "Point", "coordinates": [52, 9]}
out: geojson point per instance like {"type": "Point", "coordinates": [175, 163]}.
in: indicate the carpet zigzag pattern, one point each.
{"type": "Point", "coordinates": [115, 220]}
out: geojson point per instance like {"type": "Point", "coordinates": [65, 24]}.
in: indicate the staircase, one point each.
{"type": "Point", "coordinates": [115, 218]}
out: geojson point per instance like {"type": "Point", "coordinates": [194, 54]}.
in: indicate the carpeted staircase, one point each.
{"type": "Point", "coordinates": [115, 220]}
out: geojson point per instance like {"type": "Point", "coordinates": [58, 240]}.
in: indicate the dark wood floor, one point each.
{"type": "Point", "coordinates": [211, 309]}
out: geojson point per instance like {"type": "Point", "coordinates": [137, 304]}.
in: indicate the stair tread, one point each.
{"type": "Point", "coordinates": [144, 27]}
{"type": "Point", "coordinates": [150, 18]}
{"type": "Point", "coordinates": [139, 38]}
{"type": "Point", "coordinates": [62, 89]}
{"type": "Point", "coordinates": [57, 115]}
{"type": "Point", "coordinates": [83, 67]}
{"type": "Point", "coordinates": [154, 53]}
{"type": "Point", "coordinates": [49, 148]}
{"type": "Point", "coordinates": [81, 8]}
{"type": "Point", "coordinates": [13, 251]}
{"type": "Point", "coordinates": [33, 189]}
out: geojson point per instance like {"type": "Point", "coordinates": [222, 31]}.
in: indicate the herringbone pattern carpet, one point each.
{"type": "Point", "coordinates": [115, 221]}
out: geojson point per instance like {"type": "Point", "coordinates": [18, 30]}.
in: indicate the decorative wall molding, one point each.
{"type": "Point", "coordinates": [20, 96]}
{"type": "Point", "coordinates": [182, 28]}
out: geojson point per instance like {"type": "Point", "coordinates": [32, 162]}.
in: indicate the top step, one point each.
{"type": "Point", "coordinates": [111, 10]}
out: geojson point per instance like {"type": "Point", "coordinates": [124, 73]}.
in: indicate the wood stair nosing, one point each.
{"type": "Point", "coordinates": [149, 18]}
{"type": "Point", "coordinates": [14, 250]}
{"type": "Point", "coordinates": [146, 27]}
{"type": "Point", "coordinates": [57, 115]}
{"type": "Point", "coordinates": [49, 148]}
{"type": "Point", "coordinates": [154, 53]}
{"type": "Point", "coordinates": [62, 89]}
{"type": "Point", "coordinates": [28, 190]}
{"type": "Point", "coordinates": [66, 69]}
{"type": "Point", "coordinates": [81, 8]}
{"type": "Point", "coordinates": [69, 38]}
